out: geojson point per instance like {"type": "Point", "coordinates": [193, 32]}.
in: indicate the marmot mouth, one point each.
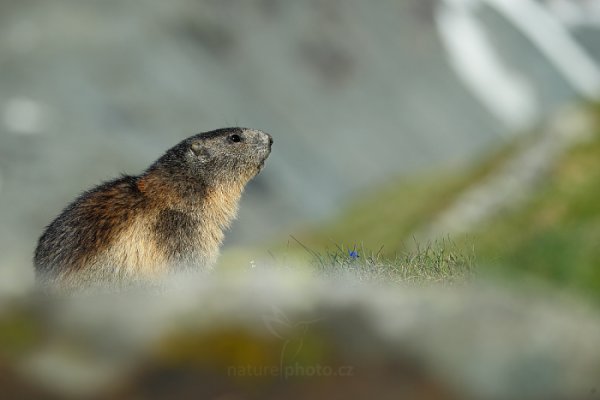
{"type": "Point", "coordinates": [260, 166]}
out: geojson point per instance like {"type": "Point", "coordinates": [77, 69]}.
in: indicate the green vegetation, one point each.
{"type": "Point", "coordinates": [555, 235]}
{"type": "Point", "coordinates": [440, 262]}
{"type": "Point", "coordinates": [387, 218]}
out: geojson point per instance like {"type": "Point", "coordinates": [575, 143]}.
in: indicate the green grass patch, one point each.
{"type": "Point", "coordinates": [438, 262]}
{"type": "Point", "coordinates": [387, 217]}
{"type": "Point", "coordinates": [555, 235]}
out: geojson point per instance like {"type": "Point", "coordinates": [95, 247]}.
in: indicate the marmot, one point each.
{"type": "Point", "coordinates": [136, 229]}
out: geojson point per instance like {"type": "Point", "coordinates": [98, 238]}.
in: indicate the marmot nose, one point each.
{"type": "Point", "coordinates": [270, 140]}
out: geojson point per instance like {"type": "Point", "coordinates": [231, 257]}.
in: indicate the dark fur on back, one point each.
{"type": "Point", "coordinates": [143, 227]}
{"type": "Point", "coordinates": [86, 226]}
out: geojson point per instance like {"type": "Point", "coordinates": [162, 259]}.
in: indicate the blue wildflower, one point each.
{"type": "Point", "coordinates": [353, 254]}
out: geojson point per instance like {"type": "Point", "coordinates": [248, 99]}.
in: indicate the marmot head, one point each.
{"type": "Point", "coordinates": [216, 158]}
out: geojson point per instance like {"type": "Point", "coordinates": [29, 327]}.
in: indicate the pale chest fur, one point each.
{"type": "Point", "coordinates": [172, 239]}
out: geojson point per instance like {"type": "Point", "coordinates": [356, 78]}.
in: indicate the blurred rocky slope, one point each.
{"type": "Point", "coordinates": [352, 93]}
{"type": "Point", "coordinates": [276, 334]}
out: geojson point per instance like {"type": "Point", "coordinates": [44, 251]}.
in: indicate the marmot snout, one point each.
{"type": "Point", "coordinates": [141, 228]}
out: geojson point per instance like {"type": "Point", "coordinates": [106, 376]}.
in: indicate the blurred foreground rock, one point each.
{"type": "Point", "coordinates": [273, 335]}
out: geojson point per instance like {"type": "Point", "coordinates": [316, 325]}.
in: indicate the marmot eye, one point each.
{"type": "Point", "coordinates": [235, 138]}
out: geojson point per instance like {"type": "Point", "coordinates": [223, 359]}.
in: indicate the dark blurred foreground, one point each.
{"type": "Point", "coordinates": [275, 334]}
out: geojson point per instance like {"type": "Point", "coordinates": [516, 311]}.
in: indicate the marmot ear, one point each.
{"type": "Point", "coordinates": [200, 151]}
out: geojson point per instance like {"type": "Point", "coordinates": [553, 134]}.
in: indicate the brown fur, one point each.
{"type": "Point", "coordinates": [172, 217]}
